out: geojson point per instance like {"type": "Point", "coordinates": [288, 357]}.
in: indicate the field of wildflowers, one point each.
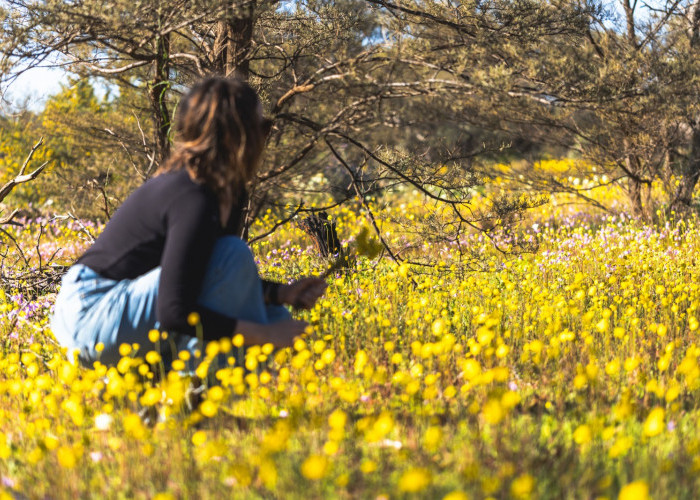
{"type": "Point", "coordinates": [568, 373]}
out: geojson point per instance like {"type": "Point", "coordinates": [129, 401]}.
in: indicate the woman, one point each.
{"type": "Point", "coordinates": [170, 250]}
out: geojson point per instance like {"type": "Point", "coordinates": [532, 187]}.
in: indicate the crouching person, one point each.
{"type": "Point", "coordinates": [171, 249]}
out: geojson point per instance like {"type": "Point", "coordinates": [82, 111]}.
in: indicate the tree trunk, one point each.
{"type": "Point", "coordinates": [690, 171]}
{"type": "Point", "coordinates": [635, 185]}
{"type": "Point", "coordinates": [157, 93]}
{"type": "Point", "coordinates": [232, 44]}
{"type": "Point", "coordinates": [634, 192]}
{"type": "Point", "coordinates": [629, 18]}
{"type": "Point", "coordinates": [689, 174]}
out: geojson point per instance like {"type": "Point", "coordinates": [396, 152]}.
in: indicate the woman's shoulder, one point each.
{"type": "Point", "coordinates": [168, 192]}
{"type": "Point", "coordinates": [173, 184]}
{"type": "Point", "coordinates": [178, 177]}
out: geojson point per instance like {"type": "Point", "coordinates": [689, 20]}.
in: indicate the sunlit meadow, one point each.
{"type": "Point", "coordinates": [568, 373]}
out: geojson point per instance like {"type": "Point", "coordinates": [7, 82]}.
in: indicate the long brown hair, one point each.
{"type": "Point", "coordinates": [220, 134]}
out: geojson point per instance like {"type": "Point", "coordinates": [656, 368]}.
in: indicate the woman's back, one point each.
{"type": "Point", "coordinates": [133, 241]}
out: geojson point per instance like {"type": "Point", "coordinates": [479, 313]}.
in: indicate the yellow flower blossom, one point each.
{"type": "Point", "coordinates": [314, 467]}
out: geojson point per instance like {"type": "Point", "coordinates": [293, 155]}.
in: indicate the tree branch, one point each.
{"type": "Point", "coordinates": [22, 177]}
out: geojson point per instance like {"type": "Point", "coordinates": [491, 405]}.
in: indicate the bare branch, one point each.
{"type": "Point", "coordinates": [113, 71]}
{"type": "Point", "coordinates": [22, 178]}
{"type": "Point", "coordinates": [10, 219]}
{"type": "Point", "coordinates": [278, 224]}
{"type": "Point", "coordinates": [361, 199]}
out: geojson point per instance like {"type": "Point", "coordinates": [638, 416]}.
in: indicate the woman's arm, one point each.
{"type": "Point", "coordinates": [191, 225]}
{"type": "Point", "coordinates": [280, 334]}
{"type": "Point", "coordinates": [302, 293]}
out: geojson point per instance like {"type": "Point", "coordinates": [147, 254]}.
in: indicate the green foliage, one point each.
{"type": "Point", "coordinates": [343, 80]}
{"type": "Point", "coordinates": [617, 91]}
{"type": "Point", "coordinates": [87, 176]}
{"type": "Point", "coordinates": [372, 95]}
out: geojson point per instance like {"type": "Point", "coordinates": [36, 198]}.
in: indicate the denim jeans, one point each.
{"type": "Point", "coordinates": [91, 309]}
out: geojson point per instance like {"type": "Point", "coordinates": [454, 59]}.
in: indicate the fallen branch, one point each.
{"type": "Point", "coordinates": [34, 283]}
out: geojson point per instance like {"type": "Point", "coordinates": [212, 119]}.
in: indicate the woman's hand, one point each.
{"type": "Point", "coordinates": [303, 293]}
{"type": "Point", "coordinates": [284, 333]}
{"type": "Point", "coordinates": [279, 334]}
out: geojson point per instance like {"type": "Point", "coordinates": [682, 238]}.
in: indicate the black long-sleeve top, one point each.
{"type": "Point", "coordinates": [173, 222]}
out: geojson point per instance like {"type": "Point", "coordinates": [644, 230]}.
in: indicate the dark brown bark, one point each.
{"type": "Point", "coordinates": [233, 42]}
{"type": "Point", "coordinates": [323, 233]}
{"type": "Point", "coordinates": [690, 171]}
{"type": "Point", "coordinates": [158, 92]}
{"type": "Point", "coordinates": [629, 9]}
{"type": "Point", "coordinates": [689, 174]}
{"type": "Point", "coordinates": [634, 190]}
{"type": "Point", "coordinates": [635, 186]}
